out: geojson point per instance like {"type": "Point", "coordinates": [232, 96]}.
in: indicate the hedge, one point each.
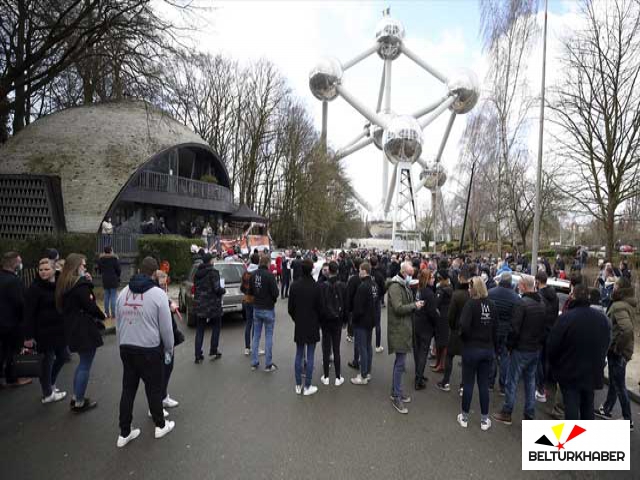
{"type": "Point", "coordinates": [33, 249]}
{"type": "Point", "coordinates": [172, 248]}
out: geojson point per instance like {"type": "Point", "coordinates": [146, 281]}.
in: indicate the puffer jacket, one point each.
{"type": "Point", "coordinates": [207, 300]}
{"type": "Point", "coordinates": [528, 333]}
{"type": "Point", "coordinates": [400, 310]}
{"type": "Point", "coordinates": [622, 314]}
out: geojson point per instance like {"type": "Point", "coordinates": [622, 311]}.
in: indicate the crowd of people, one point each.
{"type": "Point", "coordinates": [507, 327]}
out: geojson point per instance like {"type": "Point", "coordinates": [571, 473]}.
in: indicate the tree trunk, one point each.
{"type": "Point", "coordinates": [611, 234]}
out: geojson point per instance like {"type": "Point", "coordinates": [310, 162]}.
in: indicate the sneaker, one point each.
{"type": "Point", "coordinates": [485, 424]}
{"type": "Point", "coordinates": [403, 398]}
{"type": "Point", "coordinates": [310, 390]}
{"type": "Point", "coordinates": [502, 417]}
{"type": "Point", "coordinates": [445, 387]}
{"type": "Point", "coordinates": [261, 352]}
{"type": "Point", "coordinates": [462, 420]}
{"type": "Point", "coordinates": [600, 413]}
{"type": "Point", "coordinates": [324, 380]}
{"type": "Point", "coordinates": [198, 360]}
{"type": "Point", "coordinates": [88, 404]}
{"type": "Point", "coordinates": [247, 352]}
{"type": "Point", "coordinates": [541, 397]}
{"type": "Point", "coordinates": [271, 368]}
{"type": "Point", "coordinates": [170, 402]}
{"type": "Point", "coordinates": [54, 388]}
{"type": "Point", "coordinates": [379, 349]}
{"type": "Point", "coordinates": [339, 381]}
{"type": "Point", "coordinates": [368, 377]}
{"type": "Point", "coordinates": [54, 397]}
{"type": "Point", "coordinates": [399, 405]}
{"type": "Point", "coordinates": [215, 356]}
{"type": "Point", "coordinates": [298, 389]}
{"type": "Point", "coordinates": [254, 367]}
{"type": "Point", "coordinates": [164, 413]}
{"type": "Point", "coordinates": [354, 365]}
{"type": "Point", "coordinates": [168, 426]}
{"type": "Point", "coordinates": [358, 380]}
{"type": "Point", "coordinates": [349, 339]}
{"type": "Point", "coordinates": [122, 441]}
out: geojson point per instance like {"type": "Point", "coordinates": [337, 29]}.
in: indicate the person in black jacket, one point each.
{"type": "Point", "coordinates": [109, 267]}
{"type": "Point", "coordinates": [577, 349]}
{"type": "Point", "coordinates": [380, 280]}
{"type": "Point", "coordinates": [553, 308]}
{"type": "Point", "coordinates": [352, 286]}
{"type": "Point", "coordinates": [82, 323]}
{"type": "Point", "coordinates": [11, 314]}
{"type": "Point", "coordinates": [525, 343]}
{"type": "Point", "coordinates": [424, 326]}
{"type": "Point", "coordinates": [207, 306]}
{"type": "Point", "coordinates": [478, 332]}
{"type": "Point", "coordinates": [364, 319]}
{"type": "Point", "coordinates": [296, 267]}
{"type": "Point", "coordinates": [306, 310]}
{"type": "Point", "coordinates": [334, 299]}
{"type": "Point", "coordinates": [444, 292]}
{"type": "Point", "coordinates": [264, 289]}
{"type": "Point", "coordinates": [44, 326]}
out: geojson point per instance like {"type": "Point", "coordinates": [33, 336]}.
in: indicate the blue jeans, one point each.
{"type": "Point", "coordinates": [476, 365]}
{"type": "Point", "coordinates": [51, 365]}
{"type": "Point", "coordinates": [247, 310]}
{"type": "Point", "coordinates": [501, 362]}
{"type": "Point", "coordinates": [617, 385]}
{"type": "Point", "coordinates": [378, 323]}
{"type": "Point", "coordinates": [311, 350]}
{"type": "Point", "coordinates": [110, 297]}
{"type": "Point", "coordinates": [523, 364]}
{"type": "Point", "coordinates": [363, 342]}
{"type": "Point", "coordinates": [268, 319]}
{"type": "Point", "coordinates": [81, 376]}
{"type": "Point", "coordinates": [398, 370]}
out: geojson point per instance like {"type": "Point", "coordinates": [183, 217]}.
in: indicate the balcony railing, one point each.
{"type": "Point", "coordinates": [121, 243]}
{"type": "Point", "coordinates": [162, 182]}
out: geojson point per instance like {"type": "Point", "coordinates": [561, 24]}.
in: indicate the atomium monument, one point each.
{"type": "Point", "coordinates": [399, 136]}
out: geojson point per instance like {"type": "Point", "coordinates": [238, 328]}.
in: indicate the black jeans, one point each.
{"type": "Point", "coordinates": [167, 369]}
{"type": "Point", "coordinates": [578, 403]}
{"type": "Point", "coordinates": [617, 385]}
{"type": "Point", "coordinates": [148, 366]}
{"type": "Point", "coordinates": [284, 288]}
{"type": "Point", "coordinates": [422, 341]}
{"type": "Point", "coordinates": [476, 365]}
{"type": "Point", "coordinates": [216, 326]}
{"type": "Point", "coordinates": [54, 359]}
{"type": "Point", "coordinates": [378, 324]}
{"type": "Point", "coordinates": [448, 367]}
{"type": "Point", "coordinates": [9, 345]}
{"type": "Point", "coordinates": [331, 335]}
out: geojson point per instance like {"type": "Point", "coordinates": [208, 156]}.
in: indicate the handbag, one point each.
{"type": "Point", "coordinates": [27, 364]}
{"type": "Point", "coordinates": [178, 336]}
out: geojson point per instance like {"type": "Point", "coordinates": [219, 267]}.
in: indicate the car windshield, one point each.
{"type": "Point", "coordinates": [232, 273]}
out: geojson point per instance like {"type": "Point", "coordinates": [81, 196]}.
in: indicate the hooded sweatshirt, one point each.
{"type": "Point", "coordinates": [143, 318]}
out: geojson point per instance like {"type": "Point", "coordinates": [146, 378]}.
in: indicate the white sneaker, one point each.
{"type": "Point", "coordinates": [541, 397]}
{"type": "Point", "coordinates": [298, 389]}
{"type": "Point", "coordinates": [168, 426]}
{"type": "Point", "coordinates": [54, 397]}
{"type": "Point", "coordinates": [261, 352]}
{"type": "Point", "coordinates": [462, 421]}
{"type": "Point", "coordinates": [339, 381]}
{"type": "Point", "coordinates": [170, 402]}
{"type": "Point", "coordinates": [310, 390]}
{"type": "Point", "coordinates": [54, 389]}
{"type": "Point", "coordinates": [324, 380]}
{"type": "Point", "coordinates": [485, 424]}
{"type": "Point", "coordinates": [379, 349]}
{"type": "Point", "coordinates": [247, 352]}
{"type": "Point", "coordinates": [164, 412]}
{"type": "Point", "coordinates": [368, 377]}
{"type": "Point", "coordinates": [358, 380]}
{"type": "Point", "coordinates": [349, 339]}
{"type": "Point", "coordinates": [122, 441]}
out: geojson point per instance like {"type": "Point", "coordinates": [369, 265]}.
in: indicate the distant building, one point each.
{"type": "Point", "coordinates": [69, 171]}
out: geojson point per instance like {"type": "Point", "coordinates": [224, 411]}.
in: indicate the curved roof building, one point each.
{"type": "Point", "coordinates": [127, 160]}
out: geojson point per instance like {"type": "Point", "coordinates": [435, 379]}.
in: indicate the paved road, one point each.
{"type": "Point", "coordinates": [236, 424]}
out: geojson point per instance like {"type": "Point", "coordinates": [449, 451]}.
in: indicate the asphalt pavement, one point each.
{"type": "Point", "coordinates": [233, 423]}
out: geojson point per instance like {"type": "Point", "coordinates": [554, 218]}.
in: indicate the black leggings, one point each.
{"type": "Point", "coordinates": [331, 341]}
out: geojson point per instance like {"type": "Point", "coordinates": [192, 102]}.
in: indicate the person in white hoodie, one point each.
{"type": "Point", "coordinates": [145, 336]}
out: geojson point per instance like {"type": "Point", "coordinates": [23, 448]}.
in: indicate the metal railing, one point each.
{"type": "Point", "coordinates": [162, 182]}
{"type": "Point", "coordinates": [121, 243]}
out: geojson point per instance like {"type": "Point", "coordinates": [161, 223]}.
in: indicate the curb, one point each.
{"type": "Point", "coordinates": [632, 395]}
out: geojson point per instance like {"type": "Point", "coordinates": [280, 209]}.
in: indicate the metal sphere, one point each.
{"type": "Point", "coordinates": [378, 130]}
{"type": "Point", "coordinates": [464, 84]}
{"type": "Point", "coordinates": [325, 77]}
{"type": "Point", "coordinates": [434, 176]}
{"type": "Point", "coordinates": [389, 35]}
{"type": "Point", "coordinates": [402, 140]}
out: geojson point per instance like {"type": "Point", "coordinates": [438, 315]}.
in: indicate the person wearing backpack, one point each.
{"type": "Point", "coordinates": [334, 293]}
{"type": "Point", "coordinates": [247, 302]}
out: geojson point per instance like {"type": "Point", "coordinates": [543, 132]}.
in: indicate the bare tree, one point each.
{"type": "Point", "coordinates": [597, 110]}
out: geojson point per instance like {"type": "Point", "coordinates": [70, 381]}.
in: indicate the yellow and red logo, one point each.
{"type": "Point", "coordinates": [557, 431]}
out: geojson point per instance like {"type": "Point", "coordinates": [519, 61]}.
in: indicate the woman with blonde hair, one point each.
{"type": "Point", "coordinates": [479, 328]}
{"type": "Point", "coordinates": [82, 322]}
